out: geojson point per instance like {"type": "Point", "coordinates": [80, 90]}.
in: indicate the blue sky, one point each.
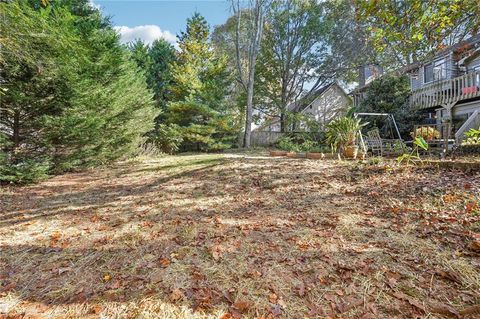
{"type": "Point", "coordinates": [152, 19]}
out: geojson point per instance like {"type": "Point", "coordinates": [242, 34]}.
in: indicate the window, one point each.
{"type": "Point", "coordinates": [477, 69]}
{"type": "Point", "coordinates": [434, 71]}
{"type": "Point", "coordinates": [413, 80]}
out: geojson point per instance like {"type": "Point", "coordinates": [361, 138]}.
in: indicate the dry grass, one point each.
{"type": "Point", "coordinates": [210, 236]}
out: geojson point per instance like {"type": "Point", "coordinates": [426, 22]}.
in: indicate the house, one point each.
{"type": "Point", "coordinates": [448, 85]}
{"type": "Point", "coordinates": [445, 86]}
{"type": "Point", "coordinates": [323, 105]}
{"type": "Point", "coordinates": [366, 75]}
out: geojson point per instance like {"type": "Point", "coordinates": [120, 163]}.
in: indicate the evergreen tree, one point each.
{"type": "Point", "coordinates": [62, 110]}
{"type": "Point", "coordinates": [162, 55]}
{"type": "Point", "coordinates": [140, 55]}
{"type": "Point", "coordinates": [155, 61]}
{"type": "Point", "coordinates": [199, 87]}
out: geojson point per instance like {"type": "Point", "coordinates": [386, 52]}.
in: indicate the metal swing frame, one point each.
{"type": "Point", "coordinates": [389, 116]}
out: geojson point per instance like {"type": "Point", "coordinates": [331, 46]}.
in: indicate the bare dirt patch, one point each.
{"type": "Point", "coordinates": [230, 236]}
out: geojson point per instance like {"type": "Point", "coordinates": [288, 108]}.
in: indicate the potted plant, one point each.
{"type": "Point", "coordinates": [342, 134]}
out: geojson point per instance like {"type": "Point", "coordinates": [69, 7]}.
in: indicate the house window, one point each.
{"type": "Point", "coordinates": [434, 71]}
{"type": "Point", "coordinates": [477, 69]}
{"type": "Point", "coordinates": [413, 80]}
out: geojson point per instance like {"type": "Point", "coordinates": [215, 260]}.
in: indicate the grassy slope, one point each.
{"type": "Point", "coordinates": [200, 236]}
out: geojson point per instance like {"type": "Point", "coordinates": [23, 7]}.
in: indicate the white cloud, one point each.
{"type": "Point", "coordinates": [94, 5]}
{"type": "Point", "coordinates": [146, 33]}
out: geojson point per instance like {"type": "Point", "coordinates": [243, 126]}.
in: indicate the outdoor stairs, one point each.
{"type": "Point", "coordinates": [472, 122]}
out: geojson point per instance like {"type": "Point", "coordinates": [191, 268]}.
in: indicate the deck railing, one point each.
{"type": "Point", "coordinates": [446, 92]}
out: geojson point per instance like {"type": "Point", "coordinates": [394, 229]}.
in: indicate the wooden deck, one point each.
{"type": "Point", "coordinates": [447, 92]}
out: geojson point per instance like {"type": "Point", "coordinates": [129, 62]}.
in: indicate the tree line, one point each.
{"type": "Point", "coordinates": [73, 96]}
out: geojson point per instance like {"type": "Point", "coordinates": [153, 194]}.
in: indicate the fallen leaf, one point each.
{"type": "Point", "coordinates": [276, 310]}
{"type": "Point", "coordinates": [164, 262]}
{"type": "Point", "coordinates": [449, 275]}
{"type": "Point", "coordinates": [216, 251]}
{"type": "Point", "coordinates": [470, 207]}
{"type": "Point", "coordinates": [410, 300]}
{"type": "Point", "coordinates": [115, 285]}
{"type": "Point", "coordinates": [443, 309]}
{"type": "Point", "coordinates": [176, 294]}
{"type": "Point", "coordinates": [54, 238]}
{"type": "Point", "coordinates": [242, 305]}
{"type": "Point", "coordinates": [301, 289]}
{"type": "Point", "coordinates": [96, 309]}
{"type": "Point", "coordinates": [272, 298]}
{"type": "Point", "coordinates": [475, 245]}
{"type": "Point", "coordinates": [345, 306]}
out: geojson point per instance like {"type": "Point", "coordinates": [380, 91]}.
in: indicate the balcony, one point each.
{"type": "Point", "coordinates": [447, 92]}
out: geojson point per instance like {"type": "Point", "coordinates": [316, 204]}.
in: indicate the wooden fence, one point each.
{"type": "Point", "coordinates": [264, 138]}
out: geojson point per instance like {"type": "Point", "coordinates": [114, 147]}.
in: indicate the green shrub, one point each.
{"type": "Point", "coordinates": [299, 143]}
{"type": "Point", "coordinates": [472, 137]}
{"type": "Point", "coordinates": [285, 143]}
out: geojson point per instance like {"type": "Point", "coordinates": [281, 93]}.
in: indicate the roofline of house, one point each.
{"type": "Point", "coordinates": [324, 90]}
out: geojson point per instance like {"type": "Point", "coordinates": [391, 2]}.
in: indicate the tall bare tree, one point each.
{"type": "Point", "coordinates": [292, 54]}
{"type": "Point", "coordinates": [248, 37]}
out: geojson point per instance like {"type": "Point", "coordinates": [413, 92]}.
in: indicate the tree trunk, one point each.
{"type": "Point", "coordinates": [248, 117]}
{"type": "Point", "coordinates": [16, 129]}
{"type": "Point", "coordinates": [253, 47]}
{"type": "Point", "coordinates": [283, 120]}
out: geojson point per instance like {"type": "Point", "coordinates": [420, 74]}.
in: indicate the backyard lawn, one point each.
{"type": "Point", "coordinates": [242, 235]}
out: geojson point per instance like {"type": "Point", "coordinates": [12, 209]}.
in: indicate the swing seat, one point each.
{"type": "Point", "coordinates": [374, 142]}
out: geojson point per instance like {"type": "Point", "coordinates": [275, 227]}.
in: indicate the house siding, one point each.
{"type": "Point", "coordinates": [473, 64]}
{"type": "Point", "coordinates": [416, 80]}
{"type": "Point", "coordinates": [331, 104]}
{"type": "Point", "coordinates": [467, 108]}
{"type": "Point", "coordinates": [451, 72]}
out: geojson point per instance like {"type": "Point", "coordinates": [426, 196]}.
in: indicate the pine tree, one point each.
{"type": "Point", "coordinates": [159, 77]}
{"type": "Point", "coordinates": [62, 110]}
{"type": "Point", "coordinates": [199, 87]}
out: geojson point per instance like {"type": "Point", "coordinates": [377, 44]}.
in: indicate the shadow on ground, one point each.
{"type": "Point", "coordinates": [281, 236]}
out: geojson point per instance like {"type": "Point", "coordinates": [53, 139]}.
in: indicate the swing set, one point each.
{"type": "Point", "coordinates": [374, 143]}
